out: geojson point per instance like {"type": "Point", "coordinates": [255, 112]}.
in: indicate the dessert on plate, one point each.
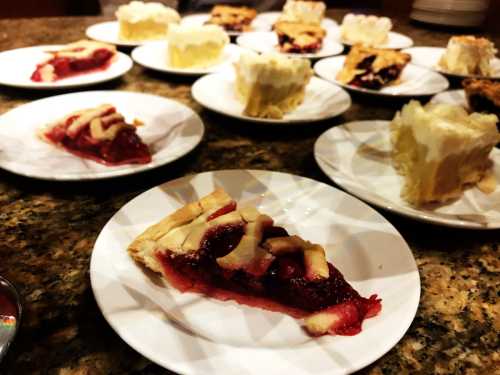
{"type": "Point", "coordinates": [483, 95]}
{"type": "Point", "coordinates": [76, 58]}
{"type": "Point", "coordinates": [468, 55]}
{"type": "Point", "coordinates": [296, 37]}
{"type": "Point", "coordinates": [370, 30]}
{"type": "Point", "coordinates": [232, 18]}
{"type": "Point", "coordinates": [100, 134]}
{"type": "Point", "coordinates": [141, 21]}
{"type": "Point", "coordinates": [215, 248]}
{"type": "Point", "coordinates": [440, 149]}
{"type": "Point", "coordinates": [199, 46]}
{"type": "Point", "coordinates": [372, 68]}
{"type": "Point", "coordinates": [270, 85]}
{"type": "Point", "coordinates": [307, 12]}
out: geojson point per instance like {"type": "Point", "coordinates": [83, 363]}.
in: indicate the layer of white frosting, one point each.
{"type": "Point", "coordinates": [445, 129]}
{"type": "Point", "coordinates": [137, 11]}
{"type": "Point", "coordinates": [273, 68]}
{"type": "Point", "coordinates": [369, 30]}
{"type": "Point", "coordinates": [311, 12]}
{"type": "Point", "coordinates": [182, 36]}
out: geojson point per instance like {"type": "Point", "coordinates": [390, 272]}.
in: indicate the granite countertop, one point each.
{"type": "Point", "coordinates": [47, 231]}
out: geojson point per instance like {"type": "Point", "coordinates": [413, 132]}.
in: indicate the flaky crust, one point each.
{"type": "Point", "coordinates": [143, 247]}
{"type": "Point", "coordinates": [383, 59]}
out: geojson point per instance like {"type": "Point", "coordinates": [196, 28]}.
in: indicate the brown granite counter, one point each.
{"type": "Point", "coordinates": [47, 231]}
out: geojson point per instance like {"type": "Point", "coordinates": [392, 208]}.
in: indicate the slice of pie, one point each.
{"type": "Point", "coordinates": [294, 37]}
{"type": "Point", "coordinates": [214, 248]}
{"type": "Point", "coordinates": [75, 58]}
{"type": "Point", "coordinates": [100, 134]}
{"type": "Point", "coordinates": [483, 95]}
{"type": "Point", "coordinates": [372, 68]}
{"type": "Point", "coordinates": [369, 30]}
{"type": "Point", "coordinates": [308, 12]}
{"type": "Point", "coordinates": [232, 18]}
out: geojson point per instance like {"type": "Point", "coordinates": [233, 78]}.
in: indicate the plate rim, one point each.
{"type": "Point", "coordinates": [189, 370]}
{"type": "Point", "coordinates": [277, 122]}
{"type": "Point", "coordinates": [410, 40]}
{"type": "Point", "coordinates": [384, 203]}
{"type": "Point", "coordinates": [117, 42]}
{"type": "Point", "coordinates": [105, 175]}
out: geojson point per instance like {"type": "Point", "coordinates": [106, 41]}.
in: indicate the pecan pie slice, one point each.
{"type": "Point", "coordinates": [214, 248]}
{"type": "Point", "coordinates": [232, 18]}
{"type": "Point", "coordinates": [294, 37]}
{"type": "Point", "coordinates": [100, 134]}
{"type": "Point", "coordinates": [372, 68]}
{"type": "Point", "coordinates": [76, 58]}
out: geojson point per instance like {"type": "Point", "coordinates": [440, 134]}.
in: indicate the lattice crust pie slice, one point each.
{"type": "Point", "coordinates": [294, 37]}
{"type": "Point", "coordinates": [213, 247]}
{"type": "Point", "coordinates": [372, 68]}
{"type": "Point", "coordinates": [270, 85]}
{"type": "Point", "coordinates": [468, 55]}
{"type": "Point", "coordinates": [440, 149]}
{"type": "Point", "coordinates": [100, 134]}
{"type": "Point", "coordinates": [483, 95]}
{"type": "Point", "coordinates": [232, 18]}
{"type": "Point", "coordinates": [76, 58]}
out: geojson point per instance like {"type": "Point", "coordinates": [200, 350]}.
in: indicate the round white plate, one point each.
{"type": "Point", "coordinates": [265, 21]}
{"type": "Point", "coordinates": [17, 66]}
{"type": "Point", "coordinates": [200, 19]}
{"type": "Point", "coordinates": [322, 99]}
{"type": "Point", "coordinates": [394, 41]}
{"type": "Point", "coordinates": [191, 334]}
{"type": "Point", "coordinates": [154, 56]}
{"type": "Point", "coordinates": [429, 57]}
{"type": "Point", "coordinates": [455, 97]}
{"type": "Point", "coordinates": [414, 80]}
{"type": "Point", "coordinates": [170, 130]}
{"type": "Point", "coordinates": [108, 32]}
{"type": "Point", "coordinates": [267, 41]}
{"type": "Point", "coordinates": [356, 156]}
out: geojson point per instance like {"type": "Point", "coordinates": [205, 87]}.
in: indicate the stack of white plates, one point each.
{"type": "Point", "coordinates": [450, 12]}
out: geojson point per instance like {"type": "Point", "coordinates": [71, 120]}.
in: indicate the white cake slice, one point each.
{"type": "Point", "coordinates": [371, 31]}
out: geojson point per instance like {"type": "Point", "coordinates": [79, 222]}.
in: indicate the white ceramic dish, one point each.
{"type": "Point", "coordinates": [394, 40]}
{"type": "Point", "coordinates": [191, 334]}
{"type": "Point", "coordinates": [267, 41]}
{"type": "Point", "coordinates": [356, 156]}
{"type": "Point", "coordinates": [155, 56]}
{"type": "Point", "coordinates": [265, 21]}
{"type": "Point", "coordinates": [455, 97]}
{"type": "Point", "coordinates": [414, 80]}
{"type": "Point", "coordinates": [17, 66]}
{"type": "Point", "coordinates": [428, 57]}
{"type": "Point", "coordinates": [322, 100]}
{"type": "Point", "coordinates": [170, 130]}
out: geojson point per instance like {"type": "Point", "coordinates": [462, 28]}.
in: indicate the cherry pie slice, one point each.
{"type": "Point", "coordinates": [76, 58]}
{"type": "Point", "coordinates": [232, 18]}
{"type": "Point", "coordinates": [214, 248]}
{"type": "Point", "coordinates": [294, 37]}
{"type": "Point", "coordinates": [100, 134]}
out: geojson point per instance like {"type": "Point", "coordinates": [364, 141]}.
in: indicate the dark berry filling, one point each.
{"type": "Point", "coordinates": [375, 81]}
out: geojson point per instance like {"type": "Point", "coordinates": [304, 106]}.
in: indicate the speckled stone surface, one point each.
{"type": "Point", "coordinates": [47, 231]}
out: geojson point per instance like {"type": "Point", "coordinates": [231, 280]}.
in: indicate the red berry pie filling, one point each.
{"type": "Point", "coordinates": [76, 58]}
{"type": "Point", "coordinates": [214, 248]}
{"type": "Point", "coordinates": [100, 134]}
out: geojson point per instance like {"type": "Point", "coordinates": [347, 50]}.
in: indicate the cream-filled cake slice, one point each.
{"type": "Point", "coordinates": [468, 55]}
{"type": "Point", "coordinates": [371, 31]}
{"type": "Point", "coordinates": [308, 12]}
{"type": "Point", "coordinates": [270, 85]}
{"type": "Point", "coordinates": [141, 21]}
{"type": "Point", "coordinates": [196, 46]}
{"type": "Point", "coordinates": [439, 149]}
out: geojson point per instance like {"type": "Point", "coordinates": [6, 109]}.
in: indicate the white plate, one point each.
{"type": "Point", "coordinates": [455, 97]}
{"type": "Point", "coordinates": [265, 21]}
{"type": "Point", "coordinates": [322, 99]}
{"type": "Point", "coordinates": [394, 41]}
{"type": "Point", "coordinates": [17, 66]}
{"type": "Point", "coordinates": [267, 41]}
{"type": "Point", "coordinates": [154, 56]}
{"type": "Point", "coordinates": [191, 334]}
{"type": "Point", "coordinates": [108, 32]}
{"type": "Point", "coordinates": [200, 19]}
{"type": "Point", "coordinates": [429, 57]}
{"type": "Point", "coordinates": [356, 156]}
{"type": "Point", "coordinates": [414, 80]}
{"type": "Point", "coordinates": [170, 130]}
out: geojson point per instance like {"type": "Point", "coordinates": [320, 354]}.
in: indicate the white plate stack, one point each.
{"type": "Point", "coordinates": [451, 12]}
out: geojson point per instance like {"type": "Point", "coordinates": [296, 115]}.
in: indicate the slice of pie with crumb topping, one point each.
{"type": "Point", "coordinates": [220, 250]}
